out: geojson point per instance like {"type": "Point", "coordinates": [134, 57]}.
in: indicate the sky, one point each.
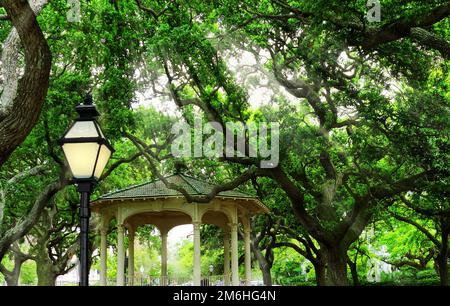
{"type": "Point", "coordinates": [178, 234]}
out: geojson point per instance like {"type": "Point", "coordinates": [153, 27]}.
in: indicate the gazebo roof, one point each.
{"type": "Point", "coordinates": [153, 203]}
{"type": "Point", "coordinates": [157, 188]}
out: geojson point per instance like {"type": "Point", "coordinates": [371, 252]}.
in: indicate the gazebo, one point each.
{"type": "Point", "coordinates": [154, 203]}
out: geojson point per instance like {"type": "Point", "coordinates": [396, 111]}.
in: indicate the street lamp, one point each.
{"type": "Point", "coordinates": [87, 152]}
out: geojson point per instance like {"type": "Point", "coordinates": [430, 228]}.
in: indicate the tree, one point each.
{"type": "Point", "coordinates": [20, 112]}
{"type": "Point", "coordinates": [54, 241]}
{"type": "Point", "coordinates": [346, 167]}
{"type": "Point", "coordinates": [12, 276]}
{"type": "Point", "coordinates": [434, 209]}
{"type": "Point", "coordinates": [70, 78]}
{"type": "Point", "coordinates": [363, 111]}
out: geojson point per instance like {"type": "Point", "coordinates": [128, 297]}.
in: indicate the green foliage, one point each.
{"type": "Point", "coordinates": [398, 94]}
{"type": "Point", "coordinates": [28, 273]}
{"type": "Point", "coordinates": [182, 266]}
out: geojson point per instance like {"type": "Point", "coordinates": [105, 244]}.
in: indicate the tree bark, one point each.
{"type": "Point", "coordinates": [336, 259]}
{"type": "Point", "coordinates": [17, 122]}
{"type": "Point", "coordinates": [431, 41]}
{"type": "Point", "coordinates": [354, 272]}
{"type": "Point", "coordinates": [442, 259]}
{"type": "Point", "coordinates": [321, 279]}
{"type": "Point", "coordinates": [11, 277]}
{"type": "Point", "coordinates": [11, 63]}
{"type": "Point", "coordinates": [267, 275]}
{"type": "Point", "coordinates": [264, 266]}
{"type": "Point", "coordinates": [44, 266]}
{"type": "Point", "coordinates": [44, 273]}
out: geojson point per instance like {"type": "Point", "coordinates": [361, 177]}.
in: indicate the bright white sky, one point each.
{"type": "Point", "coordinates": [178, 234]}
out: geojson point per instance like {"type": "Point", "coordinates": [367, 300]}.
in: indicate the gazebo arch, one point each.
{"type": "Point", "coordinates": [154, 203]}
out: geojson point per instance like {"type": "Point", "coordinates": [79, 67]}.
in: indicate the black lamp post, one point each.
{"type": "Point", "coordinates": [87, 152]}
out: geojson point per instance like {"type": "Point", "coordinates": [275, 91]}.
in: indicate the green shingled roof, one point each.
{"type": "Point", "coordinates": [157, 188]}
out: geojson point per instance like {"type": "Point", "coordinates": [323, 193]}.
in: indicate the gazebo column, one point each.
{"type": "Point", "coordinates": [197, 271]}
{"type": "Point", "coordinates": [234, 255]}
{"type": "Point", "coordinates": [226, 256]}
{"type": "Point", "coordinates": [164, 257]}
{"type": "Point", "coordinates": [131, 257]}
{"type": "Point", "coordinates": [120, 256]}
{"type": "Point", "coordinates": [248, 259]}
{"type": "Point", "coordinates": [103, 256]}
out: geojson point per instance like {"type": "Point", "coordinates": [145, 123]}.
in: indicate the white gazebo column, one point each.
{"type": "Point", "coordinates": [234, 255]}
{"type": "Point", "coordinates": [103, 256]}
{"type": "Point", "coordinates": [120, 256]}
{"type": "Point", "coordinates": [197, 271]}
{"type": "Point", "coordinates": [131, 257]}
{"type": "Point", "coordinates": [164, 257]}
{"type": "Point", "coordinates": [248, 259]}
{"type": "Point", "coordinates": [226, 256]}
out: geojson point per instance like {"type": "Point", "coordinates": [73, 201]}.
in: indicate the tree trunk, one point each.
{"type": "Point", "coordinates": [46, 280]}
{"type": "Point", "coordinates": [320, 271]}
{"type": "Point", "coordinates": [354, 271]}
{"type": "Point", "coordinates": [442, 259]}
{"type": "Point", "coordinates": [443, 270]}
{"type": "Point", "coordinates": [267, 275]}
{"type": "Point", "coordinates": [44, 266]}
{"type": "Point", "coordinates": [18, 120]}
{"type": "Point", "coordinates": [12, 279]}
{"type": "Point", "coordinates": [336, 259]}
{"type": "Point", "coordinates": [44, 270]}
{"type": "Point", "coordinates": [264, 266]}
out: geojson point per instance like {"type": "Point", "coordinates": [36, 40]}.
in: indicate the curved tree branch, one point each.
{"type": "Point", "coordinates": [17, 122]}
{"type": "Point", "coordinates": [418, 226]}
{"type": "Point", "coordinates": [431, 41]}
{"type": "Point", "coordinates": [402, 28]}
